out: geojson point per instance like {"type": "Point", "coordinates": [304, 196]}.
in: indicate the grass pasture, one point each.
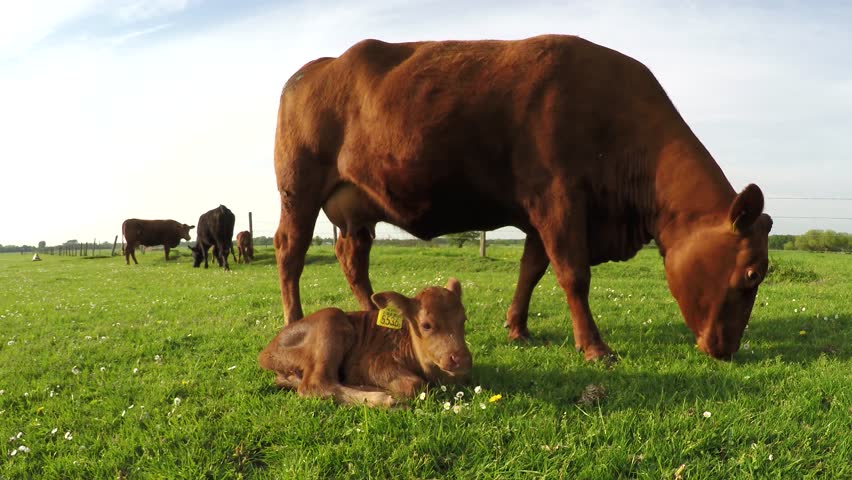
{"type": "Point", "coordinates": [149, 371]}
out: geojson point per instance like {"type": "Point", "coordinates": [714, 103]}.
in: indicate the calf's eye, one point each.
{"type": "Point", "coordinates": [426, 326]}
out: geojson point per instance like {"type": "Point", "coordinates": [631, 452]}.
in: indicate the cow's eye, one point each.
{"type": "Point", "coordinates": [426, 326]}
{"type": "Point", "coordinates": [752, 276]}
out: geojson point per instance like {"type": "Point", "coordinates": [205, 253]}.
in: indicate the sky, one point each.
{"type": "Point", "coordinates": [112, 109]}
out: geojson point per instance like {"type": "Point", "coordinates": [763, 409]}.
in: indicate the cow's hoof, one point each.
{"type": "Point", "coordinates": [599, 353]}
{"type": "Point", "coordinates": [517, 334]}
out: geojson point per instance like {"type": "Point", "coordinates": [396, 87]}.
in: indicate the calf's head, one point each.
{"type": "Point", "coordinates": [714, 273]}
{"type": "Point", "coordinates": [184, 231]}
{"type": "Point", "coordinates": [435, 321]}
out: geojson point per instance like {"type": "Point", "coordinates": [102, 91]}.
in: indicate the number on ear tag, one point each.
{"type": "Point", "coordinates": [389, 318]}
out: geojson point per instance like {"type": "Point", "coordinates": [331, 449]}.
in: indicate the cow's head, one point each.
{"type": "Point", "coordinates": [197, 254]}
{"type": "Point", "coordinates": [184, 231]}
{"type": "Point", "coordinates": [715, 271]}
{"type": "Point", "coordinates": [435, 321]}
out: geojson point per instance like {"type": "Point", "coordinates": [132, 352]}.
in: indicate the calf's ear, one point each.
{"type": "Point", "coordinates": [190, 227]}
{"type": "Point", "coordinates": [746, 207]}
{"type": "Point", "coordinates": [401, 302]}
{"type": "Point", "coordinates": [454, 286]}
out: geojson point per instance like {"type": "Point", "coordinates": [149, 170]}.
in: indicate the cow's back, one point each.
{"type": "Point", "coordinates": [449, 136]}
{"type": "Point", "coordinates": [151, 232]}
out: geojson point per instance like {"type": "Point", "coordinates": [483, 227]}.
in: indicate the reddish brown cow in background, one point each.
{"type": "Point", "coordinates": [575, 144]}
{"type": "Point", "coordinates": [352, 359]}
{"type": "Point", "coordinates": [245, 247]}
{"type": "Point", "coordinates": [167, 233]}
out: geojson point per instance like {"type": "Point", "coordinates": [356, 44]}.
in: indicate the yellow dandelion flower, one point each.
{"type": "Point", "coordinates": [495, 398]}
{"type": "Point", "coordinates": [803, 332]}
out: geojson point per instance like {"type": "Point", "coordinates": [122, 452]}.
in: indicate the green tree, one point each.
{"type": "Point", "coordinates": [459, 239]}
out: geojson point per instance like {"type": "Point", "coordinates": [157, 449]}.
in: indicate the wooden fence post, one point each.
{"type": "Point", "coordinates": [251, 228]}
{"type": "Point", "coordinates": [114, 242]}
{"type": "Point", "coordinates": [482, 243]}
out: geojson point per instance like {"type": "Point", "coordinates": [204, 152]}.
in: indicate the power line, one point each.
{"type": "Point", "coordinates": [835, 199]}
{"type": "Point", "coordinates": [813, 218]}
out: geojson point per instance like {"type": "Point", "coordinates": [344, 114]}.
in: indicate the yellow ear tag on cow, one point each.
{"type": "Point", "coordinates": [389, 318]}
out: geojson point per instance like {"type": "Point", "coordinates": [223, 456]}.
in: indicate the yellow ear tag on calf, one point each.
{"type": "Point", "coordinates": [389, 318]}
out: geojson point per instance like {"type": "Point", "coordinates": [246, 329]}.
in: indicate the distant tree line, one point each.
{"type": "Point", "coordinates": [813, 241]}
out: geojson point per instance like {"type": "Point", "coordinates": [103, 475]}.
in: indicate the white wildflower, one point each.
{"type": "Point", "coordinates": [75, 370]}
{"type": "Point", "coordinates": [158, 358]}
{"type": "Point", "coordinates": [53, 432]}
{"type": "Point", "coordinates": [10, 343]}
{"type": "Point", "coordinates": [447, 405]}
{"type": "Point", "coordinates": [477, 390]}
{"type": "Point", "coordinates": [771, 457]}
{"type": "Point", "coordinates": [176, 401]}
{"type": "Point", "coordinates": [135, 370]}
{"type": "Point", "coordinates": [103, 369]}
{"type": "Point", "coordinates": [457, 408]}
{"type": "Point", "coordinates": [482, 405]}
{"type": "Point", "coordinates": [423, 396]}
{"type": "Point", "coordinates": [707, 414]}
{"type": "Point", "coordinates": [459, 395]}
{"type": "Point", "coordinates": [68, 436]}
{"type": "Point", "coordinates": [443, 388]}
{"type": "Point", "coordinates": [232, 367]}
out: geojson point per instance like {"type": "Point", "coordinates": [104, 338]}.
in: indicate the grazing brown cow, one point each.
{"type": "Point", "coordinates": [361, 357]}
{"type": "Point", "coordinates": [152, 232]}
{"type": "Point", "coordinates": [575, 144]}
{"type": "Point", "coordinates": [245, 247]}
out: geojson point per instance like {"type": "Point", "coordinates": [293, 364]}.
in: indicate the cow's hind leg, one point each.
{"type": "Point", "coordinates": [533, 265]}
{"type": "Point", "coordinates": [133, 254]}
{"type": "Point", "coordinates": [563, 235]}
{"type": "Point", "coordinates": [166, 249]}
{"type": "Point", "coordinates": [353, 254]}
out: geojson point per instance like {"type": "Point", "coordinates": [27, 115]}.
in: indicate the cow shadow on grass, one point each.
{"type": "Point", "coordinates": [797, 339]}
{"type": "Point", "coordinates": [616, 389]}
{"type": "Point", "coordinates": [772, 340]}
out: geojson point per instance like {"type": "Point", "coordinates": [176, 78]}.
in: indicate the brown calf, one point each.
{"type": "Point", "coordinates": [245, 247]}
{"type": "Point", "coordinates": [350, 358]}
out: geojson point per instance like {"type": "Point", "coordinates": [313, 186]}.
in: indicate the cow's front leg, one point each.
{"type": "Point", "coordinates": [166, 249]}
{"type": "Point", "coordinates": [533, 265]}
{"type": "Point", "coordinates": [563, 235]}
{"type": "Point", "coordinates": [353, 254]}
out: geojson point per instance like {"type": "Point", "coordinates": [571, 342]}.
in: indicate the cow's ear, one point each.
{"type": "Point", "coordinates": [191, 227]}
{"type": "Point", "coordinates": [746, 208]}
{"type": "Point", "coordinates": [454, 286]}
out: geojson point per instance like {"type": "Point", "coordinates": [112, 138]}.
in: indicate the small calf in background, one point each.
{"type": "Point", "coordinates": [245, 247]}
{"type": "Point", "coordinates": [374, 357]}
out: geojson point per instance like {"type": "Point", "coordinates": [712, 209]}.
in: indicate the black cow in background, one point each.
{"type": "Point", "coordinates": [215, 229]}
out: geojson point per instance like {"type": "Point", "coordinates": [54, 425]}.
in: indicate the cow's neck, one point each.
{"type": "Point", "coordinates": [691, 191]}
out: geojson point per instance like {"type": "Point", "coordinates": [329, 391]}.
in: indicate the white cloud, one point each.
{"type": "Point", "coordinates": [24, 24]}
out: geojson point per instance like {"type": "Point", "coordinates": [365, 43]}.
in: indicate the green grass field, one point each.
{"type": "Point", "coordinates": [149, 371]}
